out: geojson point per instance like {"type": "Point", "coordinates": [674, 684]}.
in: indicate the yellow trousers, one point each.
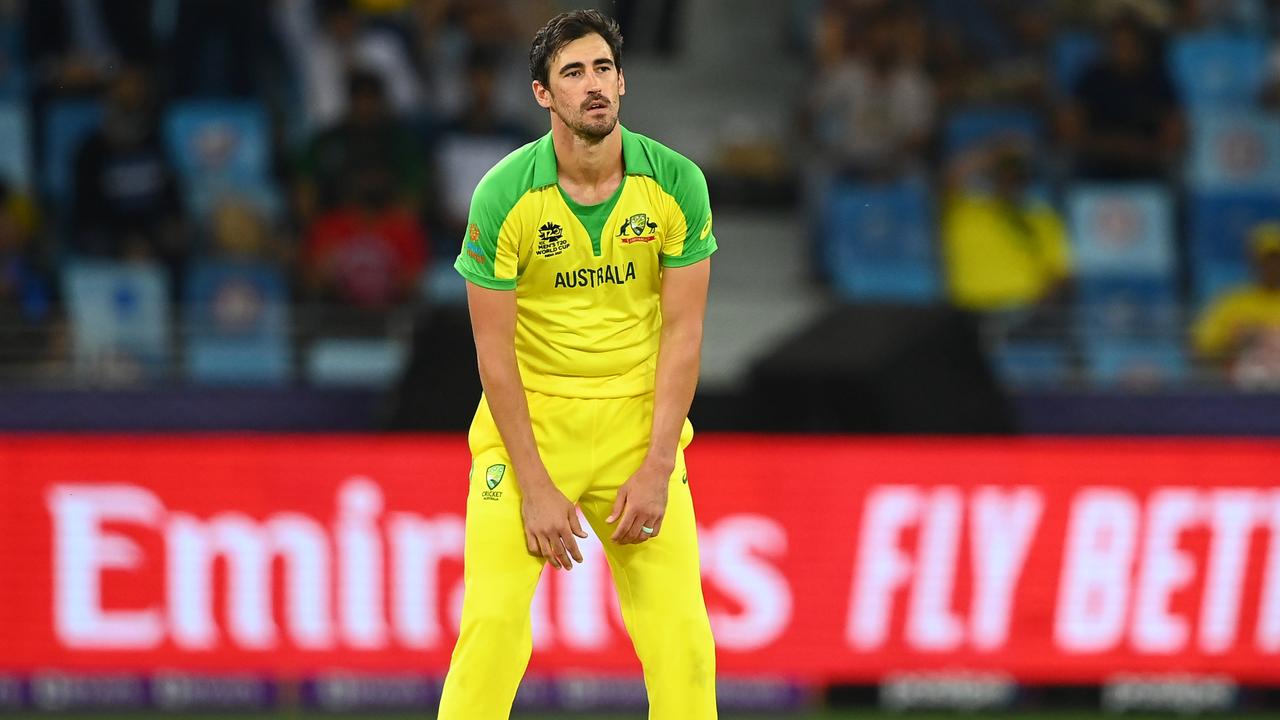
{"type": "Point", "coordinates": [590, 447]}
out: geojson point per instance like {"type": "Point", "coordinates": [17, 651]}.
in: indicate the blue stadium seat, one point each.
{"type": "Point", "coordinates": [1121, 230]}
{"type": "Point", "coordinates": [356, 362]}
{"type": "Point", "coordinates": [1219, 226]}
{"type": "Point", "coordinates": [1219, 70]}
{"type": "Point", "coordinates": [237, 321]}
{"type": "Point", "coordinates": [1125, 306]}
{"type": "Point", "coordinates": [219, 139]}
{"type": "Point", "coordinates": [119, 318]}
{"type": "Point", "coordinates": [66, 125]}
{"type": "Point", "coordinates": [967, 128]}
{"type": "Point", "coordinates": [1234, 150]}
{"type": "Point", "coordinates": [880, 243]}
{"type": "Point", "coordinates": [13, 70]}
{"type": "Point", "coordinates": [1073, 53]}
{"type": "Point", "coordinates": [1142, 362]}
{"type": "Point", "coordinates": [15, 145]}
{"type": "Point", "coordinates": [1031, 363]}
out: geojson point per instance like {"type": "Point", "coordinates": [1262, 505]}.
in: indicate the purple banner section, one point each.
{"type": "Point", "coordinates": [57, 692]}
{"type": "Point", "coordinates": [11, 695]}
{"type": "Point", "coordinates": [342, 692]}
{"type": "Point", "coordinates": [181, 692]}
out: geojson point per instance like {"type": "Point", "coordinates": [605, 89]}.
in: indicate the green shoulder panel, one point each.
{"type": "Point", "coordinates": [494, 197]}
{"type": "Point", "coordinates": [683, 180]}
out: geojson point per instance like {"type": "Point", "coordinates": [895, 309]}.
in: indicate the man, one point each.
{"type": "Point", "coordinates": [586, 261]}
{"type": "Point", "coordinates": [1004, 249]}
{"type": "Point", "coordinates": [1240, 329]}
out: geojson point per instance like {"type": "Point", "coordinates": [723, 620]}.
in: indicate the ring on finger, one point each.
{"type": "Point", "coordinates": [646, 529]}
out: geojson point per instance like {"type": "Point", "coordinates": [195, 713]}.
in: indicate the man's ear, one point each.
{"type": "Point", "coordinates": [542, 94]}
{"type": "Point", "coordinates": [622, 83]}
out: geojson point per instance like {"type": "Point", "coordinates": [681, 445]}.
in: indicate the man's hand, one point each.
{"type": "Point", "coordinates": [550, 522]}
{"type": "Point", "coordinates": [641, 504]}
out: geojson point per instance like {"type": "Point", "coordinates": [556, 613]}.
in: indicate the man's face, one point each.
{"type": "Point", "coordinates": [585, 87]}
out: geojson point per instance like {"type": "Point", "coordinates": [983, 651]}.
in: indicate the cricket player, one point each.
{"type": "Point", "coordinates": [587, 261]}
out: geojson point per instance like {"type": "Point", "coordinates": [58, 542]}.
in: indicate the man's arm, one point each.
{"type": "Point", "coordinates": [642, 501]}
{"type": "Point", "coordinates": [550, 520]}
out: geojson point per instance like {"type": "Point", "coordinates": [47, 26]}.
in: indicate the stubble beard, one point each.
{"type": "Point", "coordinates": [591, 131]}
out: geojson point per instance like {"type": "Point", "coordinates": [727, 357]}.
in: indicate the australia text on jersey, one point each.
{"type": "Point", "coordinates": [595, 277]}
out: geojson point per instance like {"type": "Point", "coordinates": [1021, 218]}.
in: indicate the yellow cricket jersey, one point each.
{"type": "Point", "coordinates": [1000, 256]}
{"type": "Point", "coordinates": [587, 279]}
{"type": "Point", "coordinates": [1246, 308]}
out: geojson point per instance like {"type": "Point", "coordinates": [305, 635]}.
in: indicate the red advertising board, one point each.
{"type": "Point", "coordinates": [824, 559]}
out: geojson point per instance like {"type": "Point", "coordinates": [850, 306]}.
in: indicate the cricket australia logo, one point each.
{"type": "Point", "coordinates": [551, 240]}
{"type": "Point", "coordinates": [635, 228]}
{"type": "Point", "coordinates": [493, 478]}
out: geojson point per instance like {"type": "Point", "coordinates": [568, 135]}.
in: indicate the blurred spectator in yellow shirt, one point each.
{"type": "Point", "coordinates": [1240, 329]}
{"type": "Point", "coordinates": [1004, 249]}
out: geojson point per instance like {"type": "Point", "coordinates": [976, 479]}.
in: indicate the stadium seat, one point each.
{"type": "Point", "coordinates": [1125, 306]}
{"type": "Point", "coordinates": [1234, 149]}
{"type": "Point", "coordinates": [1031, 363]}
{"type": "Point", "coordinates": [66, 125]}
{"type": "Point", "coordinates": [1218, 70]}
{"type": "Point", "coordinates": [1073, 53]}
{"type": "Point", "coordinates": [967, 128]}
{"type": "Point", "coordinates": [119, 319]}
{"type": "Point", "coordinates": [356, 362]}
{"type": "Point", "coordinates": [216, 138]}
{"type": "Point", "coordinates": [880, 243]}
{"type": "Point", "coordinates": [1135, 362]}
{"type": "Point", "coordinates": [1122, 230]}
{"type": "Point", "coordinates": [15, 145]}
{"type": "Point", "coordinates": [236, 318]}
{"type": "Point", "coordinates": [1219, 225]}
{"type": "Point", "coordinates": [13, 71]}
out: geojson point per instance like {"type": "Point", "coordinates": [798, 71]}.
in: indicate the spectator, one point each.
{"type": "Point", "coordinates": [990, 51]}
{"type": "Point", "coordinates": [1240, 329]}
{"type": "Point", "coordinates": [370, 253]}
{"type": "Point", "coordinates": [369, 137]}
{"type": "Point", "coordinates": [26, 292]}
{"type": "Point", "coordinates": [1123, 121]}
{"type": "Point", "coordinates": [1004, 249]}
{"type": "Point", "coordinates": [873, 110]}
{"type": "Point", "coordinates": [471, 143]}
{"type": "Point", "coordinates": [239, 232]}
{"type": "Point", "coordinates": [222, 48]}
{"type": "Point", "coordinates": [126, 198]}
{"type": "Point", "coordinates": [450, 31]}
{"type": "Point", "coordinates": [324, 53]}
{"type": "Point", "coordinates": [74, 45]}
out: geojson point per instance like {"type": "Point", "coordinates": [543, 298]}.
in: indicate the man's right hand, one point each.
{"type": "Point", "coordinates": [550, 524]}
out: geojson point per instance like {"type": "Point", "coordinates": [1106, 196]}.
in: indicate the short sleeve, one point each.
{"type": "Point", "coordinates": [487, 258]}
{"type": "Point", "coordinates": [691, 239]}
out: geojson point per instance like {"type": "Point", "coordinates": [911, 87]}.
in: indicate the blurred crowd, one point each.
{"type": "Point", "coordinates": [1098, 177]}
{"type": "Point", "coordinates": [297, 152]}
{"type": "Point", "coordinates": [233, 178]}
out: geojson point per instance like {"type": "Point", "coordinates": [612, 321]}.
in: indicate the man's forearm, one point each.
{"type": "Point", "coordinates": [504, 392]}
{"type": "Point", "coordinates": [679, 354]}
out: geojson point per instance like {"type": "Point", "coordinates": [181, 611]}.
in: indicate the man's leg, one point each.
{"type": "Point", "coordinates": [660, 590]}
{"type": "Point", "coordinates": [499, 577]}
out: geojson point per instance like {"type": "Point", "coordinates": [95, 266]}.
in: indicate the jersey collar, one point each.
{"type": "Point", "coordinates": [635, 160]}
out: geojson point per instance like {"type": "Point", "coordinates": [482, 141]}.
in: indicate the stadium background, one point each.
{"type": "Point", "coordinates": [967, 439]}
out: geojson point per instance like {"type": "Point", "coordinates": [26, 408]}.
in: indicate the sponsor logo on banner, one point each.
{"type": "Point", "coordinates": [1041, 561]}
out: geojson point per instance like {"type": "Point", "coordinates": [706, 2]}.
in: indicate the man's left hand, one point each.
{"type": "Point", "coordinates": [641, 505]}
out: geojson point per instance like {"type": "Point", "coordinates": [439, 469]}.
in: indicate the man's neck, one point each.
{"type": "Point", "coordinates": [584, 163]}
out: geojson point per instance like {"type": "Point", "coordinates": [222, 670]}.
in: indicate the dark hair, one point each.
{"type": "Point", "coordinates": [564, 29]}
